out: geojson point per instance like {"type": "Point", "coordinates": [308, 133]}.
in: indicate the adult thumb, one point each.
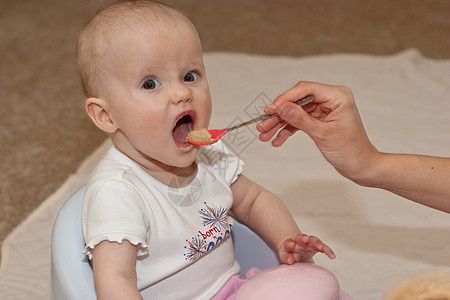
{"type": "Point", "coordinates": [295, 116]}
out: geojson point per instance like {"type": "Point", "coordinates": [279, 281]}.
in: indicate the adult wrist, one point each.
{"type": "Point", "coordinates": [368, 170]}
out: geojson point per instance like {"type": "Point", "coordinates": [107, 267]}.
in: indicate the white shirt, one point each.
{"type": "Point", "coordinates": [183, 236]}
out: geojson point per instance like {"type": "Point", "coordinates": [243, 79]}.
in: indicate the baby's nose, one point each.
{"type": "Point", "coordinates": [181, 94]}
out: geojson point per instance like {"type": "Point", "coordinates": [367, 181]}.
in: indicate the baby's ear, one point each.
{"type": "Point", "coordinates": [97, 109]}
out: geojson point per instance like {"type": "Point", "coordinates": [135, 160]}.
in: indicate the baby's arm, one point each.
{"type": "Point", "coordinates": [114, 268]}
{"type": "Point", "coordinates": [266, 214]}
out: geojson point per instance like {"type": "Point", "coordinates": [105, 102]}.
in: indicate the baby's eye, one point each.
{"type": "Point", "coordinates": [150, 84]}
{"type": "Point", "coordinates": [191, 76]}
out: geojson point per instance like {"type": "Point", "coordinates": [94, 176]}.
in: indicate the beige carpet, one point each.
{"type": "Point", "coordinates": [378, 237]}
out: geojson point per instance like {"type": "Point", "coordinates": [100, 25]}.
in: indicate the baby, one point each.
{"type": "Point", "coordinates": [156, 211]}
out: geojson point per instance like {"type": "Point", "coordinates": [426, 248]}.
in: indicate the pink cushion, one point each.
{"type": "Point", "coordinates": [298, 281]}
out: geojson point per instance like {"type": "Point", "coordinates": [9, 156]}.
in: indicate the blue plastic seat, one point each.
{"type": "Point", "coordinates": [72, 277]}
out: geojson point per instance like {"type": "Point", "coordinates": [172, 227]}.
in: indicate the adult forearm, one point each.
{"type": "Point", "coordinates": [423, 179]}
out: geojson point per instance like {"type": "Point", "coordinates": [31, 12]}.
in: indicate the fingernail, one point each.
{"type": "Point", "coordinates": [259, 127]}
{"type": "Point", "coordinates": [270, 108]}
{"type": "Point", "coordinates": [286, 112]}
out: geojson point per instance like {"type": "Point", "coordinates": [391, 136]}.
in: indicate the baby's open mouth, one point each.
{"type": "Point", "coordinates": [181, 129]}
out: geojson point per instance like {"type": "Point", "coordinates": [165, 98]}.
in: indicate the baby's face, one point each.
{"type": "Point", "coordinates": [157, 92]}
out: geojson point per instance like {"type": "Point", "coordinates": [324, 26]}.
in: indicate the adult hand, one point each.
{"type": "Point", "coordinates": [332, 121]}
{"type": "Point", "coordinates": [334, 124]}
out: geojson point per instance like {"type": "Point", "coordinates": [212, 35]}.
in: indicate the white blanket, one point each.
{"type": "Point", "coordinates": [378, 237]}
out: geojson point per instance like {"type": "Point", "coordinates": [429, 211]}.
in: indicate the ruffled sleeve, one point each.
{"type": "Point", "coordinates": [114, 211]}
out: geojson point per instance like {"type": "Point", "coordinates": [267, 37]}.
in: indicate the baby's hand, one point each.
{"type": "Point", "coordinates": [302, 247]}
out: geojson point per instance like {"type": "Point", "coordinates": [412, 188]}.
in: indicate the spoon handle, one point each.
{"type": "Point", "coordinates": [306, 100]}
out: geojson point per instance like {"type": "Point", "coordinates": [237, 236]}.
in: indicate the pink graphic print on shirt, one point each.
{"type": "Point", "coordinates": [217, 229]}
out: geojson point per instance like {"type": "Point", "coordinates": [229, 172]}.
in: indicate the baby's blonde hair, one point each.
{"type": "Point", "coordinates": [94, 38]}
